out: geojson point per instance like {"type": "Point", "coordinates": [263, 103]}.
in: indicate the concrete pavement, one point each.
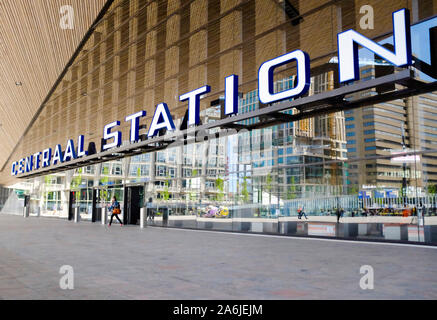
{"type": "Point", "coordinates": [159, 263]}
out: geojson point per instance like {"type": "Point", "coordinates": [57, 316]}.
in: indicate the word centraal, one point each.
{"type": "Point", "coordinates": [348, 65]}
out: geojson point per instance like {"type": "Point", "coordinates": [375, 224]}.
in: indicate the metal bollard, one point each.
{"type": "Point", "coordinates": [104, 215]}
{"type": "Point", "coordinates": [143, 218]}
{"type": "Point", "coordinates": [76, 214]}
{"type": "Point", "coordinates": [26, 212]}
{"type": "Point", "coordinates": [38, 211]}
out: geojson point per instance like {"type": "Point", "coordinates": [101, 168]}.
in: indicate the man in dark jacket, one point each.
{"type": "Point", "coordinates": [338, 212]}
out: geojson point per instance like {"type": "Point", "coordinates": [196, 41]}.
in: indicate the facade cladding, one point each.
{"type": "Point", "coordinates": [143, 53]}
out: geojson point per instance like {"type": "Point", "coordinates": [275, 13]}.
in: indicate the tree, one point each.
{"type": "Point", "coordinates": [432, 188]}
{"type": "Point", "coordinates": [166, 193]}
{"type": "Point", "coordinates": [244, 191]}
{"type": "Point", "coordinates": [48, 179]}
{"type": "Point", "coordinates": [76, 182]}
{"type": "Point", "coordinates": [220, 183]}
{"type": "Point", "coordinates": [291, 192]}
{"type": "Point", "coordinates": [353, 190]}
{"type": "Point", "coordinates": [104, 181]}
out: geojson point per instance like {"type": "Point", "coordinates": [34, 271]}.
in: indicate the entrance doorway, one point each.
{"type": "Point", "coordinates": [71, 205]}
{"type": "Point", "coordinates": [134, 196]}
{"type": "Point", "coordinates": [96, 212]}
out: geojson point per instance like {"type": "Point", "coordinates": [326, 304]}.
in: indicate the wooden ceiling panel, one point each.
{"type": "Point", "coordinates": [34, 50]}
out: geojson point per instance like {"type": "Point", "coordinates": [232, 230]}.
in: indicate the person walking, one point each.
{"type": "Point", "coordinates": [115, 210]}
{"type": "Point", "coordinates": [422, 212]}
{"type": "Point", "coordinates": [338, 213]}
{"type": "Point", "coordinates": [150, 211]}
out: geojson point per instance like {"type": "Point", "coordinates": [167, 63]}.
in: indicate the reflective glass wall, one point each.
{"type": "Point", "coordinates": [367, 173]}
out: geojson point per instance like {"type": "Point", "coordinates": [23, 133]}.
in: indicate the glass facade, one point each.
{"type": "Point", "coordinates": [335, 167]}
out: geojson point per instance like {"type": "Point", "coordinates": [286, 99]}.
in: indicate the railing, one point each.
{"type": "Point", "coordinates": [321, 205]}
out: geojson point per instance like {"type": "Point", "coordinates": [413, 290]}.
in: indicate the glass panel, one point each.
{"type": "Point", "coordinates": [365, 173]}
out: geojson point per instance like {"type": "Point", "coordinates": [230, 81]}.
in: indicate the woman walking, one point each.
{"type": "Point", "coordinates": [115, 210]}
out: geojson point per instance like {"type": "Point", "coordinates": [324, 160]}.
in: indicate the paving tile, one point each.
{"type": "Point", "coordinates": [157, 263]}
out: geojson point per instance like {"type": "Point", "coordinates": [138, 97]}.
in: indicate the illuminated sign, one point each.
{"type": "Point", "coordinates": [348, 42]}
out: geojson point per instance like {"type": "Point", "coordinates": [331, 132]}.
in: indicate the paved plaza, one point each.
{"type": "Point", "coordinates": [161, 263]}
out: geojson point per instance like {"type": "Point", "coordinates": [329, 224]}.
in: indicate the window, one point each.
{"type": "Point", "coordinates": [186, 172]}
{"type": "Point", "coordinates": [161, 171]}
{"type": "Point", "coordinates": [89, 169]}
{"type": "Point", "coordinates": [116, 169]}
{"type": "Point", "coordinates": [172, 172]}
{"type": "Point", "coordinates": [188, 161]}
{"type": "Point", "coordinates": [171, 157]}
{"type": "Point", "coordinates": [133, 169]}
{"type": "Point", "coordinates": [160, 157]}
{"type": "Point", "coordinates": [212, 161]}
{"type": "Point", "coordinates": [386, 133]}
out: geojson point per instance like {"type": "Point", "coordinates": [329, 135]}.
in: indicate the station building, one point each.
{"type": "Point", "coordinates": [369, 144]}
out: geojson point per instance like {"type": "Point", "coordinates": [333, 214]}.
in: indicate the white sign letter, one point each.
{"type": "Point", "coordinates": [161, 119]}
{"type": "Point", "coordinates": [265, 77]}
{"type": "Point", "coordinates": [348, 42]}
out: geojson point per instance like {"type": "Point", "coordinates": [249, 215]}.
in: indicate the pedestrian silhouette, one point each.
{"type": "Point", "coordinates": [115, 210]}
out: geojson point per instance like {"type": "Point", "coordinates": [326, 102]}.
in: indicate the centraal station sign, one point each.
{"type": "Point", "coordinates": [348, 65]}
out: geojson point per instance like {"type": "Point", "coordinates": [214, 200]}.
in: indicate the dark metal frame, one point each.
{"type": "Point", "coordinates": [309, 106]}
